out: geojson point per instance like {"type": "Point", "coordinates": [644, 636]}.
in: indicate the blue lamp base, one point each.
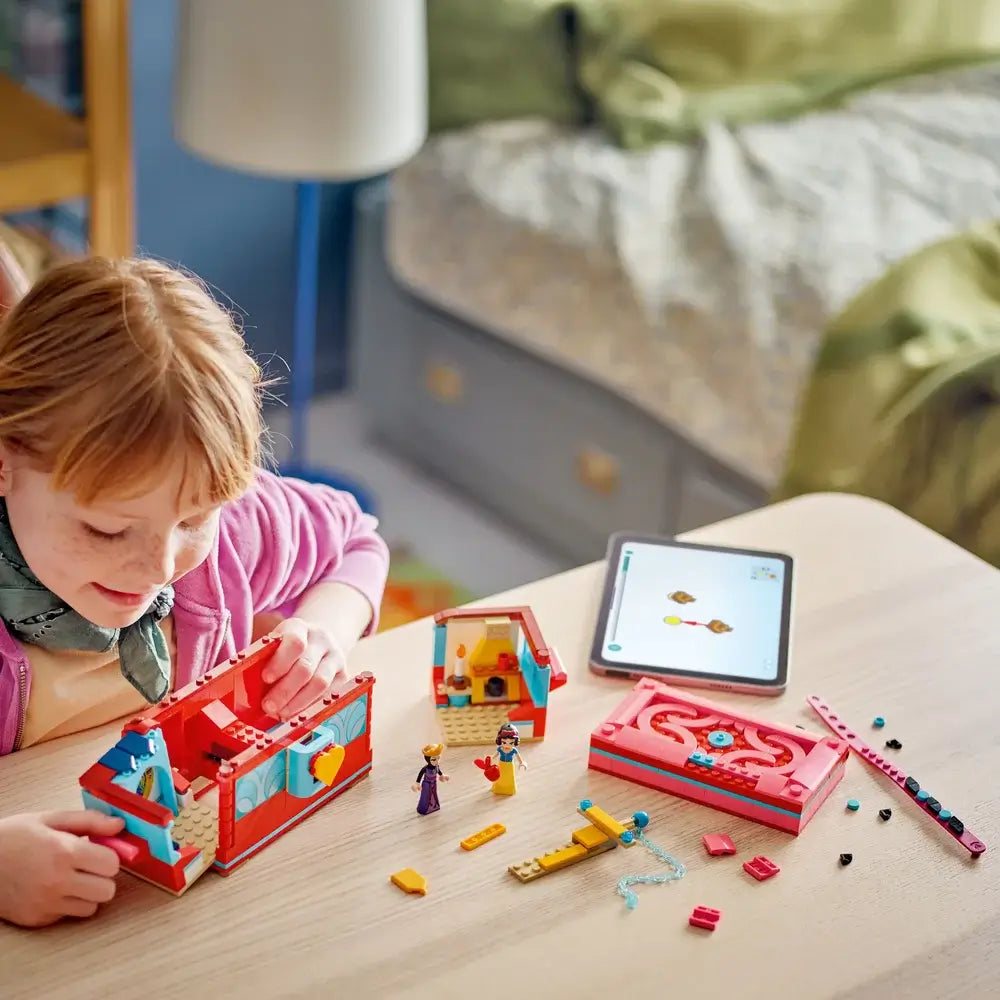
{"type": "Point", "coordinates": [307, 197]}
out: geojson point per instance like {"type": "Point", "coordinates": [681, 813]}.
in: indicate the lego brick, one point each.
{"type": "Point", "coordinates": [718, 843]}
{"type": "Point", "coordinates": [609, 826]}
{"type": "Point", "coordinates": [761, 868]}
{"type": "Point", "coordinates": [409, 881]}
{"type": "Point", "coordinates": [303, 782]}
{"type": "Point", "coordinates": [474, 726]}
{"type": "Point", "coordinates": [705, 917]}
{"type": "Point", "coordinates": [534, 868]}
{"type": "Point", "coordinates": [561, 858]}
{"type": "Point", "coordinates": [589, 837]}
{"type": "Point", "coordinates": [484, 836]}
{"type": "Point", "coordinates": [440, 642]}
{"type": "Point", "coordinates": [703, 751]}
{"type": "Point", "coordinates": [125, 849]}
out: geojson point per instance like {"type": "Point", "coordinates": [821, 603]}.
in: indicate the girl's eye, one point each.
{"type": "Point", "coordinates": [104, 535]}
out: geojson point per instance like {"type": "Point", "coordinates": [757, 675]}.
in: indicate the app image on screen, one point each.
{"type": "Point", "coordinates": [696, 610]}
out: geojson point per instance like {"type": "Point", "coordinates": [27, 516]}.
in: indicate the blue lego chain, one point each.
{"type": "Point", "coordinates": [625, 883]}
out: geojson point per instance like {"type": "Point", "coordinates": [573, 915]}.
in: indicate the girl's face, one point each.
{"type": "Point", "coordinates": [110, 560]}
{"type": "Point", "coordinates": [506, 744]}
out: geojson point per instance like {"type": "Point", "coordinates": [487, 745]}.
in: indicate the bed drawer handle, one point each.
{"type": "Point", "coordinates": [598, 471]}
{"type": "Point", "coordinates": [444, 383]}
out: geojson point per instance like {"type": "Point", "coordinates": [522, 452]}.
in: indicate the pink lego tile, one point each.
{"type": "Point", "coordinates": [761, 868]}
{"type": "Point", "coordinates": [718, 843]}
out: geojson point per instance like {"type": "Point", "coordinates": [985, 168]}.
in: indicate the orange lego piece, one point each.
{"type": "Point", "coordinates": [589, 837]}
{"type": "Point", "coordinates": [325, 766]}
{"type": "Point", "coordinates": [484, 836]}
{"type": "Point", "coordinates": [563, 858]}
{"type": "Point", "coordinates": [608, 825]}
{"type": "Point", "coordinates": [410, 881]}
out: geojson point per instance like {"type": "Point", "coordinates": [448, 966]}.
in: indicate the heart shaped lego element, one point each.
{"type": "Point", "coordinates": [327, 763]}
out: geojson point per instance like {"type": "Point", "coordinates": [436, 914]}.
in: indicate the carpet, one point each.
{"type": "Point", "coordinates": [415, 590]}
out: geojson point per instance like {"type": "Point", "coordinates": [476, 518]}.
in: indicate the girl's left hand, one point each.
{"type": "Point", "coordinates": [304, 667]}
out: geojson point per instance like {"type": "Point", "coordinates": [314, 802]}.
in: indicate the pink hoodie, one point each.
{"type": "Point", "coordinates": [274, 543]}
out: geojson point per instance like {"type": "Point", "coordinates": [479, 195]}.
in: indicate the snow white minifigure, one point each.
{"type": "Point", "coordinates": [508, 739]}
{"type": "Point", "coordinates": [427, 779]}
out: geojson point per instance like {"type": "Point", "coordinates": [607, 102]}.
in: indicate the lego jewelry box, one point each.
{"type": "Point", "coordinates": [703, 751]}
{"type": "Point", "coordinates": [206, 779]}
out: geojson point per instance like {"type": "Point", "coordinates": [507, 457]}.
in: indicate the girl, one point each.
{"type": "Point", "coordinates": [141, 543]}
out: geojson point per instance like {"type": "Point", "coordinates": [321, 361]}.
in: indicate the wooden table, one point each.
{"type": "Point", "coordinates": [891, 620]}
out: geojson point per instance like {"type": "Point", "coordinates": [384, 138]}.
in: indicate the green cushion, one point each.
{"type": "Point", "coordinates": [499, 59]}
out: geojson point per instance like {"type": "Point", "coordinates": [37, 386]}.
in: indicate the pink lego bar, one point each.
{"type": "Point", "coordinates": [703, 751]}
{"type": "Point", "coordinates": [126, 851]}
{"type": "Point", "coordinates": [944, 818]}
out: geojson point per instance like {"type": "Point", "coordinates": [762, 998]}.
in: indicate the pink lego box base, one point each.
{"type": "Point", "coordinates": [703, 751]}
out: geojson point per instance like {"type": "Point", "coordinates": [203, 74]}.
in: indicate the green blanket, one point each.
{"type": "Point", "coordinates": [904, 402]}
{"type": "Point", "coordinates": [653, 70]}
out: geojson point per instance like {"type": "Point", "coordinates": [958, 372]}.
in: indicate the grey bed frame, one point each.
{"type": "Point", "coordinates": [564, 461]}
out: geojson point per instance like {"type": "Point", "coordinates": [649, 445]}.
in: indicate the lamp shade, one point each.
{"type": "Point", "coordinates": [304, 89]}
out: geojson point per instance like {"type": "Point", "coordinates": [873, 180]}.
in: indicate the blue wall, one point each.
{"type": "Point", "coordinates": [235, 231]}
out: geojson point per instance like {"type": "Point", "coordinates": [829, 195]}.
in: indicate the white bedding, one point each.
{"type": "Point", "coordinates": [695, 279]}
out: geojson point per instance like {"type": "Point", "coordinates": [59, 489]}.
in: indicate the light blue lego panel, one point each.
{"type": "Point", "coordinates": [301, 783]}
{"type": "Point", "coordinates": [349, 723]}
{"type": "Point", "coordinates": [159, 838]}
{"type": "Point", "coordinates": [262, 783]}
{"type": "Point", "coordinates": [440, 644]}
{"type": "Point", "coordinates": [270, 778]}
{"type": "Point", "coordinates": [536, 678]}
{"type": "Point", "coordinates": [143, 767]}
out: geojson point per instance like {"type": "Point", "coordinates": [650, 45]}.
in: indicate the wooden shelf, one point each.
{"type": "Point", "coordinates": [48, 156]}
{"type": "Point", "coordinates": [44, 156]}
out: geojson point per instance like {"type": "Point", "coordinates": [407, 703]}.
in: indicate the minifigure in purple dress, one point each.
{"type": "Point", "coordinates": [427, 779]}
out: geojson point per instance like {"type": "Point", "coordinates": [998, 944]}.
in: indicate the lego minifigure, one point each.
{"type": "Point", "coordinates": [427, 779]}
{"type": "Point", "coordinates": [507, 743]}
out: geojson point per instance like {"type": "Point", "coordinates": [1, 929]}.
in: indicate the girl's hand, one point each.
{"type": "Point", "coordinates": [49, 870]}
{"type": "Point", "coordinates": [304, 667]}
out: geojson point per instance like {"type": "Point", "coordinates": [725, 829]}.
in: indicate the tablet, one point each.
{"type": "Point", "coordinates": [691, 614]}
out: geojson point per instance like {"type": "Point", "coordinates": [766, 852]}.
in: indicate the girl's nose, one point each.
{"type": "Point", "coordinates": [159, 560]}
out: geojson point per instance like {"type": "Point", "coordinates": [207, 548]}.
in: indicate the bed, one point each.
{"type": "Point", "coordinates": [587, 337]}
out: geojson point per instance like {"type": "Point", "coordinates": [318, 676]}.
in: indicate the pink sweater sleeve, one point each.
{"type": "Point", "coordinates": [292, 535]}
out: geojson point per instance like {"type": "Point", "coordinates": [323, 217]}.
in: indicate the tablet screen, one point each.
{"type": "Point", "coordinates": [699, 610]}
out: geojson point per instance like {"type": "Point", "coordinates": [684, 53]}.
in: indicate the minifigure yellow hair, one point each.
{"type": "Point", "coordinates": [433, 750]}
